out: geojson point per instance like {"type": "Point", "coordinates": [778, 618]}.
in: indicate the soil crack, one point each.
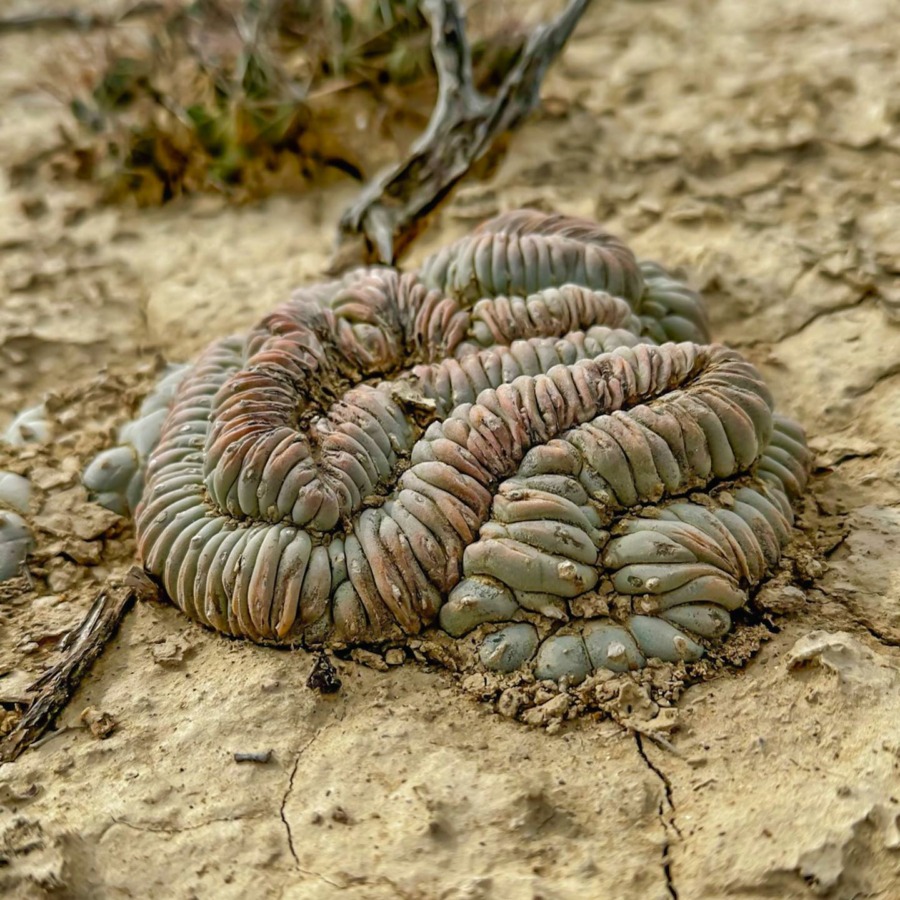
{"type": "Point", "coordinates": [286, 822]}
{"type": "Point", "coordinates": [284, 800]}
{"type": "Point", "coordinates": [823, 313]}
{"type": "Point", "coordinates": [876, 634]}
{"type": "Point", "coordinates": [171, 829]}
{"type": "Point", "coordinates": [666, 813]}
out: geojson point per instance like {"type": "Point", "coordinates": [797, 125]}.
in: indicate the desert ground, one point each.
{"type": "Point", "coordinates": [756, 146]}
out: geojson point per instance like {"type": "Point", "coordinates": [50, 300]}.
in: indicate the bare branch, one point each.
{"type": "Point", "coordinates": [453, 62]}
{"type": "Point", "coordinates": [55, 688]}
{"type": "Point", "coordinates": [391, 209]}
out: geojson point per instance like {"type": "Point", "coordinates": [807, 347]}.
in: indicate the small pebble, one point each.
{"type": "Point", "coordinates": [369, 659]}
{"type": "Point", "coordinates": [260, 756]}
{"type": "Point", "coordinates": [101, 724]}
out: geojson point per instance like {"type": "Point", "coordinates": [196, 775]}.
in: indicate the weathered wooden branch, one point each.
{"type": "Point", "coordinates": [391, 210]}
{"type": "Point", "coordinates": [55, 688]}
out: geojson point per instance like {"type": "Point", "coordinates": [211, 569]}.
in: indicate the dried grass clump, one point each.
{"type": "Point", "coordinates": [245, 97]}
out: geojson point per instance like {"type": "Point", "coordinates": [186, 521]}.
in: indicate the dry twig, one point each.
{"type": "Point", "coordinates": [390, 211]}
{"type": "Point", "coordinates": [55, 688]}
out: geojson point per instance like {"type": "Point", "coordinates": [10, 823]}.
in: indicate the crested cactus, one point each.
{"type": "Point", "coordinates": [532, 420]}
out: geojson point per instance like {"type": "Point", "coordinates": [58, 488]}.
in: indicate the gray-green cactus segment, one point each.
{"type": "Point", "coordinates": [523, 252]}
{"type": "Point", "coordinates": [15, 542]}
{"type": "Point", "coordinates": [15, 492]}
{"type": "Point", "coordinates": [31, 426]}
{"type": "Point", "coordinates": [115, 477]}
{"type": "Point", "coordinates": [672, 576]}
{"type": "Point", "coordinates": [495, 441]}
{"type": "Point", "coordinates": [385, 575]}
{"type": "Point", "coordinates": [15, 535]}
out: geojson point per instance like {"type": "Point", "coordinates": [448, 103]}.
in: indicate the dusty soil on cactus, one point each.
{"type": "Point", "coordinates": [757, 147]}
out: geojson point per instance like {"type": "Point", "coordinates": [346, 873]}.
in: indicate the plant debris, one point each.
{"type": "Point", "coordinates": [248, 97]}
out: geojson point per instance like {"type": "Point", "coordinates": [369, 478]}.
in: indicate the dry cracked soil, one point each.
{"type": "Point", "coordinates": [757, 147]}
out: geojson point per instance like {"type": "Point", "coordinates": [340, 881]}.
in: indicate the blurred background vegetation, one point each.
{"type": "Point", "coordinates": [246, 97]}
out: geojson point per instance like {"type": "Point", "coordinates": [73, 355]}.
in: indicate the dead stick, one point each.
{"type": "Point", "coordinates": [464, 125]}
{"type": "Point", "coordinates": [85, 643]}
